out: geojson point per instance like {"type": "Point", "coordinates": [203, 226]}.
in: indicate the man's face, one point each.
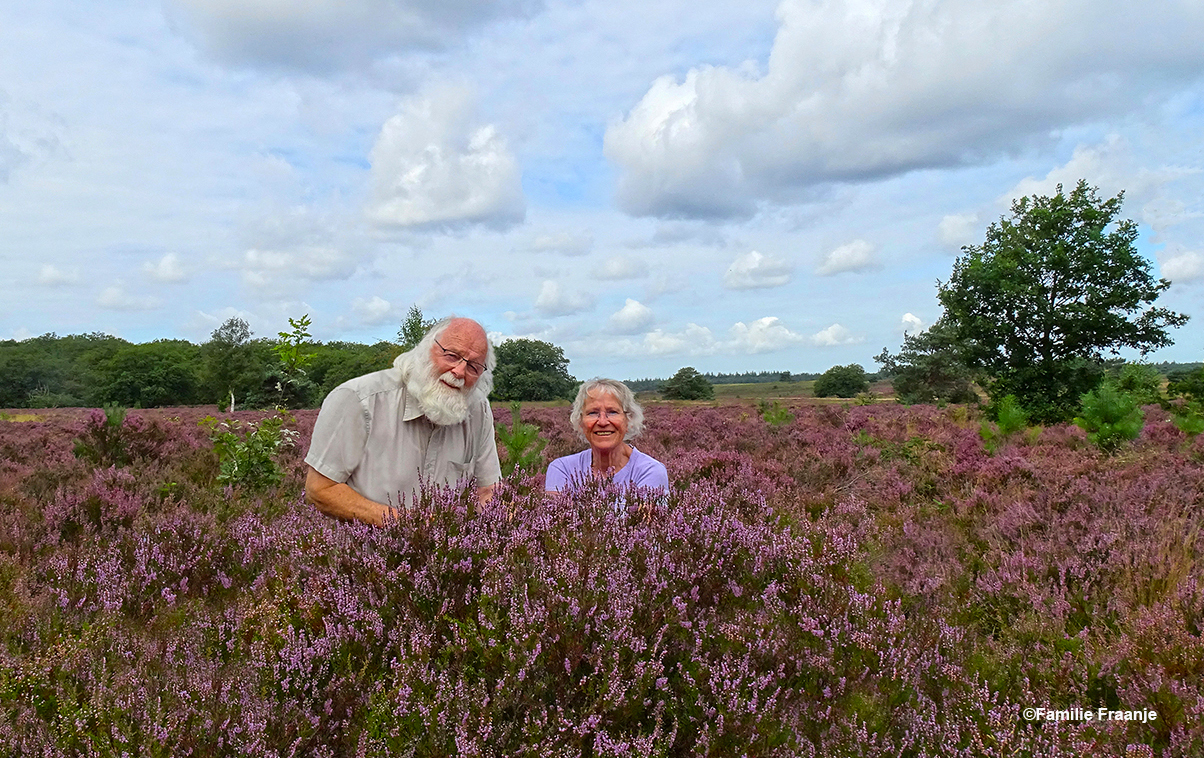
{"type": "Point", "coordinates": [460, 351]}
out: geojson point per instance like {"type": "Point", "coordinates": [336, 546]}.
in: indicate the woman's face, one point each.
{"type": "Point", "coordinates": [603, 421]}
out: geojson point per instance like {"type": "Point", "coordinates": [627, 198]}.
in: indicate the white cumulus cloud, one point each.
{"type": "Point", "coordinates": [555, 301]}
{"type": "Point", "coordinates": [857, 90]}
{"type": "Point", "coordinates": [434, 165]}
{"type": "Point", "coordinates": [752, 270]}
{"type": "Point", "coordinates": [634, 317]}
{"type": "Point", "coordinates": [834, 335]}
{"type": "Point", "coordinates": [911, 323]}
{"type": "Point", "coordinates": [761, 336]}
{"type": "Point", "coordinates": [1184, 267]}
{"type": "Point", "coordinates": [168, 269]}
{"type": "Point", "coordinates": [375, 310]}
{"type": "Point", "coordinates": [857, 255]}
{"type": "Point", "coordinates": [957, 230]}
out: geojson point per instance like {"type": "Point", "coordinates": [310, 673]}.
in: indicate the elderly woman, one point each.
{"type": "Point", "coordinates": [606, 415]}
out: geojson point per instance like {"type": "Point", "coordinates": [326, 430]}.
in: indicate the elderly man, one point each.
{"type": "Point", "coordinates": [378, 437]}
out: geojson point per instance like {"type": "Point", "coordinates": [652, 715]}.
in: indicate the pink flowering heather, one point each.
{"type": "Point", "coordinates": [864, 581]}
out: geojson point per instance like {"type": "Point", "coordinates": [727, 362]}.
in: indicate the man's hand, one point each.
{"type": "Point", "coordinates": [338, 500]}
{"type": "Point", "coordinates": [485, 494]}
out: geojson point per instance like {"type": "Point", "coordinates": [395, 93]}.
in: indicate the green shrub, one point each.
{"type": "Point", "coordinates": [246, 450]}
{"type": "Point", "coordinates": [842, 381]}
{"type": "Point", "coordinates": [1140, 381]}
{"type": "Point", "coordinates": [103, 441]}
{"type": "Point", "coordinates": [1188, 417]}
{"type": "Point", "coordinates": [1010, 418]}
{"type": "Point", "coordinates": [522, 445]}
{"type": "Point", "coordinates": [774, 414]}
{"type": "Point", "coordinates": [687, 384]}
{"type": "Point", "coordinates": [1110, 417]}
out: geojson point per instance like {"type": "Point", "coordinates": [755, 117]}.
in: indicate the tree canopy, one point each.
{"type": "Point", "coordinates": [1054, 286]}
{"type": "Point", "coordinates": [531, 370]}
{"type": "Point", "coordinates": [929, 368]}
{"type": "Point", "coordinates": [413, 329]}
{"type": "Point", "coordinates": [842, 381]}
{"type": "Point", "coordinates": [687, 384]}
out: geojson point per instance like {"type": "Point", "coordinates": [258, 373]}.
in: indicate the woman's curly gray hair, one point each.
{"type": "Point", "coordinates": [620, 391]}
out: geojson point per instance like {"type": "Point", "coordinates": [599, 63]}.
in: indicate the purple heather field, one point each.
{"type": "Point", "coordinates": [857, 581]}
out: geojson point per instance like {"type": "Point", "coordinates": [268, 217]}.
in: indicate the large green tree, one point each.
{"type": "Point", "coordinates": [1054, 286]}
{"type": "Point", "coordinates": [842, 381]}
{"type": "Point", "coordinates": [929, 368]}
{"type": "Point", "coordinates": [687, 384]}
{"type": "Point", "coordinates": [163, 372]}
{"type": "Point", "coordinates": [230, 363]}
{"type": "Point", "coordinates": [531, 370]}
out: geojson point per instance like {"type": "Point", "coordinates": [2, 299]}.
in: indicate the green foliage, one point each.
{"type": "Point", "coordinates": [774, 414]}
{"type": "Point", "coordinates": [1052, 289]}
{"type": "Point", "coordinates": [687, 384]}
{"type": "Point", "coordinates": [842, 381]}
{"type": "Point", "coordinates": [289, 347]}
{"type": "Point", "coordinates": [288, 385]}
{"type": "Point", "coordinates": [413, 329]}
{"type": "Point", "coordinates": [1010, 419]}
{"type": "Point", "coordinates": [531, 370]}
{"type": "Point", "coordinates": [1189, 384]}
{"type": "Point", "coordinates": [1141, 381]}
{"type": "Point", "coordinates": [230, 364]}
{"type": "Point", "coordinates": [163, 372]}
{"type": "Point", "coordinates": [336, 362]}
{"type": "Point", "coordinates": [1188, 417]}
{"type": "Point", "coordinates": [930, 368]}
{"type": "Point", "coordinates": [246, 450]}
{"type": "Point", "coordinates": [1110, 417]}
{"type": "Point", "coordinates": [103, 441]}
{"type": "Point", "coordinates": [521, 444]}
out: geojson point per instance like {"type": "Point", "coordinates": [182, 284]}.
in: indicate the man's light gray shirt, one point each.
{"type": "Point", "coordinates": [372, 435]}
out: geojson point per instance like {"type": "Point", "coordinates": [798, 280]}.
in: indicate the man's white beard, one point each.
{"type": "Point", "coordinates": [440, 403]}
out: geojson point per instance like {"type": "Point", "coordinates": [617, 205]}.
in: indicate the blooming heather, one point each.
{"type": "Point", "coordinates": [862, 581]}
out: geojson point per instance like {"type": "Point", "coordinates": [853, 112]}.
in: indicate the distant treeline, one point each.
{"type": "Point", "coordinates": [748, 377]}
{"type": "Point", "coordinates": [92, 370]}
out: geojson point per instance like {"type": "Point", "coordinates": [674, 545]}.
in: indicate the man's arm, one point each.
{"type": "Point", "coordinates": [338, 500]}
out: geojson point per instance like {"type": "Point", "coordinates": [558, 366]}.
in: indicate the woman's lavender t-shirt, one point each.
{"type": "Point", "coordinates": [641, 470]}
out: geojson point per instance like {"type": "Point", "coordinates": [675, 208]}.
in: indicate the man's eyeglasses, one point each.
{"type": "Point", "coordinates": [475, 369]}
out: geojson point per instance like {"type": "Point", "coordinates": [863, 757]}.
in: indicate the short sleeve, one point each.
{"type": "Point", "coordinates": [651, 473]}
{"type": "Point", "coordinates": [556, 478]}
{"type": "Point", "coordinates": [340, 434]}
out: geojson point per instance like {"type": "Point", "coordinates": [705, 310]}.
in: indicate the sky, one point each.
{"type": "Point", "coordinates": [733, 185]}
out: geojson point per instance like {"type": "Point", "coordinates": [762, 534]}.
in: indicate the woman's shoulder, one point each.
{"type": "Point", "coordinates": [572, 461]}
{"type": "Point", "coordinates": [647, 470]}
{"type": "Point", "coordinates": [643, 458]}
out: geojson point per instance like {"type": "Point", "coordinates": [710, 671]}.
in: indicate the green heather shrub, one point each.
{"type": "Point", "coordinates": [247, 449]}
{"type": "Point", "coordinates": [102, 441]}
{"type": "Point", "coordinates": [1011, 418]}
{"type": "Point", "coordinates": [774, 414]}
{"type": "Point", "coordinates": [1140, 381]}
{"type": "Point", "coordinates": [521, 445]}
{"type": "Point", "coordinates": [1110, 417]}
